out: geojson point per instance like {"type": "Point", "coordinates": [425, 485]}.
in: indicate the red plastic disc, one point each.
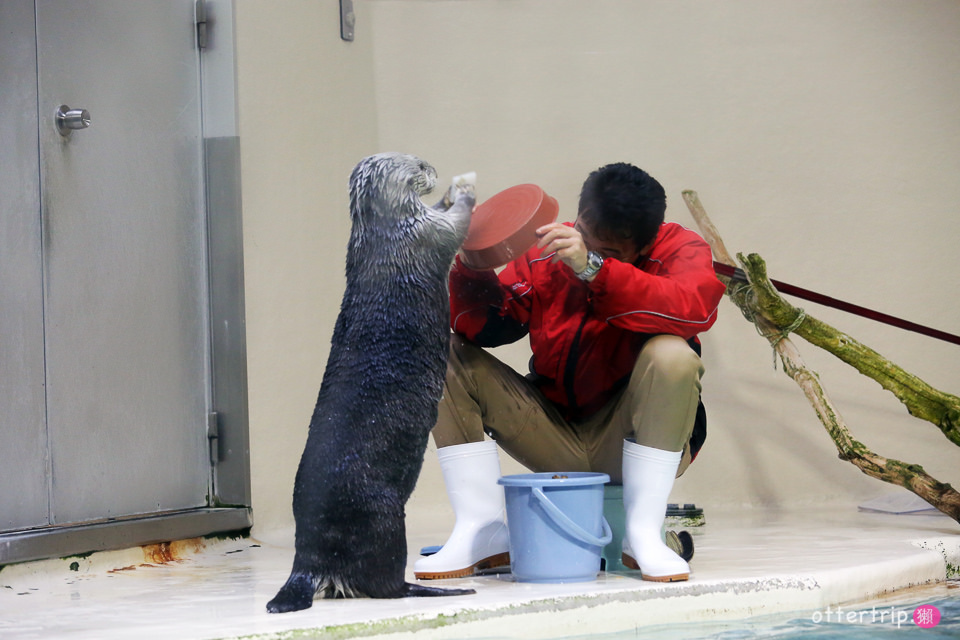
{"type": "Point", "coordinates": [504, 226]}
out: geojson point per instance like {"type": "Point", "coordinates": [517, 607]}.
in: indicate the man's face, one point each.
{"type": "Point", "coordinates": [622, 249]}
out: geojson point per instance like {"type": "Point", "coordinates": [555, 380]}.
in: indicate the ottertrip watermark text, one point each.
{"type": "Point", "coordinates": [925, 616]}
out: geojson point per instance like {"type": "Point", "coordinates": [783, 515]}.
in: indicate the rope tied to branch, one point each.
{"type": "Point", "coordinates": [776, 337]}
{"type": "Point", "coordinates": [745, 291]}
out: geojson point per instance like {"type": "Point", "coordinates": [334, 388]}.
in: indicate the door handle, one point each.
{"type": "Point", "coordinates": [69, 120]}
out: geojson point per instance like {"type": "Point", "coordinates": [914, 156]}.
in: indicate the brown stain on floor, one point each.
{"type": "Point", "coordinates": [176, 551]}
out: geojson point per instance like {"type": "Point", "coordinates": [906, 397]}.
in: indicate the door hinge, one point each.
{"type": "Point", "coordinates": [201, 24]}
{"type": "Point", "coordinates": [213, 436]}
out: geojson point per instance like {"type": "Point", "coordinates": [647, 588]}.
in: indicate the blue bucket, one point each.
{"type": "Point", "coordinates": [556, 524]}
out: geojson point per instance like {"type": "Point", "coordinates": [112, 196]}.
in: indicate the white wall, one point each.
{"type": "Point", "coordinates": [823, 135]}
{"type": "Point", "coordinates": [306, 115]}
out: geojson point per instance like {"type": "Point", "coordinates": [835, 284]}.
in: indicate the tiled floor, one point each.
{"type": "Point", "coordinates": [747, 563]}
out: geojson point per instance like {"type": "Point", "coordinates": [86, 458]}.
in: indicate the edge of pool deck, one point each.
{"type": "Point", "coordinates": [748, 562]}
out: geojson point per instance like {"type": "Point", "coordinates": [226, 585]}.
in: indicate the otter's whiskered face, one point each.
{"type": "Point", "coordinates": [424, 180]}
{"type": "Point", "coordinates": [382, 183]}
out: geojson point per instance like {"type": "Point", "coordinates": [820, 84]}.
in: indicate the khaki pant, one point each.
{"type": "Point", "coordinates": [657, 408]}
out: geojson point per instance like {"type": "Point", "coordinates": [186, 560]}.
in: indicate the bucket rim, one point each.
{"type": "Point", "coordinates": [554, 479]}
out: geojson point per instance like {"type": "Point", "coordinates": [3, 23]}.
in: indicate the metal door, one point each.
{"type": "Point", "coordinates": [107, 309]}
{"type": "Point", "coordinates": [124, 303]}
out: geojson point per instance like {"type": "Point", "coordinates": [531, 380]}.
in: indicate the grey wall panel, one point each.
{"type": "Point", "coordinates": [24, 494]}
{"type": "Point", "coordinates": [228, 328]}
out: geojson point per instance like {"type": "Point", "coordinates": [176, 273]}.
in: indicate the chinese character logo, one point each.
{"type": "Point", "coordinates": [926, 616]}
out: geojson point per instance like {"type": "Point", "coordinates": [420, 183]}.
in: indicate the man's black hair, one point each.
{"type": "Point", "coordinates": [623, 201]}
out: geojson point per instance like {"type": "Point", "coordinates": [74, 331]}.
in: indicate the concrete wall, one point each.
{"type": "Point", "coordinates": [823, 135]}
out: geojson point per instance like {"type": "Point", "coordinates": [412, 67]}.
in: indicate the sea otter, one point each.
{"type": "Point", "coordinates": [379, 394]}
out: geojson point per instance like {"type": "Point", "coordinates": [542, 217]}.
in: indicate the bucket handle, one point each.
{"type": "Point", "coordinates": [563, 521]}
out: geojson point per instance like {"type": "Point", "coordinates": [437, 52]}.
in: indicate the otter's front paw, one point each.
{"type": "Point", "coordinates": [464, 185]}
{"type": "Point", "coordinates": [464, 182]}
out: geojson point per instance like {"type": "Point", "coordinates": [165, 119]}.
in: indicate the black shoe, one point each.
{"type": "Point", "coordinates": [681, 543]}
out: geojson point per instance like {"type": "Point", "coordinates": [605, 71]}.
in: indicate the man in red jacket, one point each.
{"type": "Point", "coordinates": [612, 305]}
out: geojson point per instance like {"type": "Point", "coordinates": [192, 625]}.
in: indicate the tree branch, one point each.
{"type": "Point", "coordinates": [920, 399]}
{"type": "Point", "coordinates": [774, 318]}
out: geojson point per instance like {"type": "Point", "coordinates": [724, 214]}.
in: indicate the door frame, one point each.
{"type": "Point", "coordinates": [228, 505]}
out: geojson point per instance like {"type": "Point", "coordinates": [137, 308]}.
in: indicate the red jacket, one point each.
{"type": "Point", "coordinates": [586, 337]}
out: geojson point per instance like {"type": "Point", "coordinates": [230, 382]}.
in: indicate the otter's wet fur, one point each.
{"type": "Point", "coordinates": [379, 394]}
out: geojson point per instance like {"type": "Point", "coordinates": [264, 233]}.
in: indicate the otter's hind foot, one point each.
{"type": "Point", "coordinates": [295, 595]}
{"type": "Point", "coordinates": [418, 590]}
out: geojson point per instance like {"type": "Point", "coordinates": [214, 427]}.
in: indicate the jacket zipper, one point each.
{"type": "Point", "coordinates": [570, 367]}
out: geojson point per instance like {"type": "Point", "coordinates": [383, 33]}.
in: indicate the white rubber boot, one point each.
{"type": "Point", "coordinates": [479, 539]}
{"type": "Point", "coordinates": [648, 476]}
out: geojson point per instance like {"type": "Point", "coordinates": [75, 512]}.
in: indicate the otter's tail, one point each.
{"type": "Point", "coordinates": [420, 591]}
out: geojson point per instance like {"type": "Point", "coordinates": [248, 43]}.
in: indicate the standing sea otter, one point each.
{"type": "Point", "coordinates": [378, 399]}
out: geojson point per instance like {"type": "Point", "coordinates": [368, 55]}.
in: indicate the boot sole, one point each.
{"type": "Point", "coordinates": [632, 564]}
{"type": "Point", "coordinates": [490, 562]}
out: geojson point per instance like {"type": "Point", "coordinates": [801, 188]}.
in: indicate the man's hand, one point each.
{"type": "Point", "coordinates": [566, 243]}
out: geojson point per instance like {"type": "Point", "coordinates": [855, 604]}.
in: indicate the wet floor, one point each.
{"type": "Point", "coordinates": [747, 563]}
